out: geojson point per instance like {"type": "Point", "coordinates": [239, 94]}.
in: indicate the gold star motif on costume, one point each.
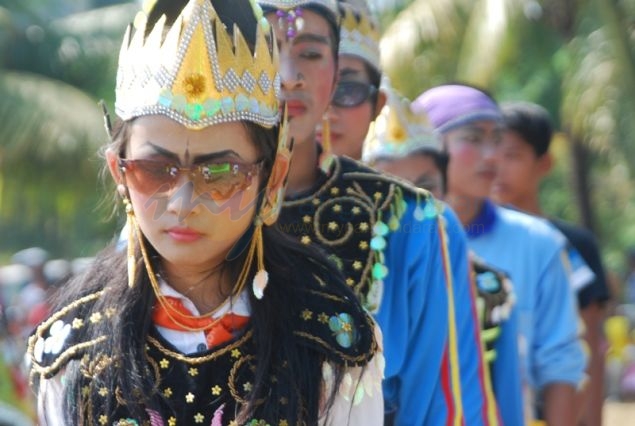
{"type": "Point", "coordinates": [333, 226]}
{"type": "Point", "coordinates": [103, 419]}
{"type": "Point", "coordinates": [167, 392]}
{"type": "Point", "coordinates": [164, 363]}
{"type": "Point", "coordinates": [283, 423]}
{"type": "Point", "coordinates": [350, 281]}
{"type": "Point", "coordinates": [377, 195]}
{"type": "Point", "coordinates": [356, 210]}
{"type": "Point", "coordinates": [103, 391]}
{"type": "Point", "coordinates": [323, 318]}
{"type": "Point", "coordinates": [193, 372]}
{"type": "Point", "coordinates": [216, 390]}
{"type": "Point", "coordinates": [236, 353]}
{"type": "Point", "coordinates": [316, 201]}
{"type": "Point", "coordinates": [247, 386]}
{"type": "Point", "coordinates": [363, 226]}
{"type": "Point", "coordinates": [198, 418]}
{"type": "Point", "coordinates": [335, 191]}
{"type": "Point", "coordinates": [233, 423]}
{"type": "Point", "coordinates": [171, 421]}
{"type": "Point", "coordinates": [357, 265]}
{"type": "Point", "coordinates": [347, 326]}
{"type": "Point", "coordinates": [307, 315]}
{"type": "Point", "coordinates": [85, 391]}
{"type": "Point", "coordinates": [306, 219]}
{"type": "Point", "coordinates": [189, 398]}
{"type": "Point", "coordinates": [95, 318]}
{"type": "Point", "coordinates": [337, 208]}
{"type": "Point", "coordinates": [363, 245]}
{"type": "Point", "coordinates": [305, 240]}
{"type": "Point", "coordinates": [78, 323]}
{"type": "Point", "coordinates": [110, 312]}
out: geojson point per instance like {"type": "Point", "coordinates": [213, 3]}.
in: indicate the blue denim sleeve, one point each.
{"type": "Point", "coordinates": [558, 355]}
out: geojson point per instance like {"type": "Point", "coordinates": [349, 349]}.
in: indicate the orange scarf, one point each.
{"type": "Point", "coordinates": [216, 332]}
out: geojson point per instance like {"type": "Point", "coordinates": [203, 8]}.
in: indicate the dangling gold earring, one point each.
{"type": "Point", "coordinates": [261, 279]}
{"type": "Point", "coordinates": [132, 240]}
{"type": "Point", "coordinates": [326, 158]}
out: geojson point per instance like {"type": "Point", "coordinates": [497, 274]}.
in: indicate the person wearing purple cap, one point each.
{"type": "Point", "coordinates": [528, 249]}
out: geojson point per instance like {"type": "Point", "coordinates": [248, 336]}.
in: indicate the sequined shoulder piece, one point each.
{"type": "Point", "coordinates": [351, 216]}
{"type": "Point", "coordinates": [495, 292]}
{"type": "Point", "coordinates": [355, 171]}
{"type": "Point", "coordinates": [335, 325]}
{"type": "Point", "coordinates": [58, 340]}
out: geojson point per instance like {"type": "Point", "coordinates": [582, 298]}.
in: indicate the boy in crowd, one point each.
{"type": "Point", "coordinates": [524, 162]}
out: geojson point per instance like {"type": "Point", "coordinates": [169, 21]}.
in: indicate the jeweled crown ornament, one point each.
{"type": "Point", "coordinates": [397, 132]}
{"type": "Point", "coordinates": [198, 75]}
{"type": "Point", "coordinates": [294, 5]}
{"type": "Point", "coordinates": [359, 33]}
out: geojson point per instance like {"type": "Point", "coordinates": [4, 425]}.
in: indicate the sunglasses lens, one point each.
{"type": "Point", "coordinates": [350, 94]}
{"type": "Point", "coordinates": [150, 177]}
{"type": "Point", "coordinates": [215, 181]}
{"type": "Point", "coordinates": [222, 181]}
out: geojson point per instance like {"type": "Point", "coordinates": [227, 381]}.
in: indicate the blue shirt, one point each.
{"type": "Point", "coordinates": [531, 252]}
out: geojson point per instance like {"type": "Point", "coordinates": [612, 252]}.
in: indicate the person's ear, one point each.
{"type": "Point", "coordinates": [274, 192]}
{"type": "Point", "coordinates": [112, 159]}
{"type": "Point", "coordinates": [545, 164]}
{"type": "Point", "coordinates": [379, 104]}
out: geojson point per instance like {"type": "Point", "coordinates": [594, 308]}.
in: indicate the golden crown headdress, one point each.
{"type": "Point", "coordinates": [397, 132]}
{"type": "Point", "coordinates": [198, 75]}
{"type": "Point", "coordinates": [359, 33]}
{"type": "Point", "coordinates": [329, 5]}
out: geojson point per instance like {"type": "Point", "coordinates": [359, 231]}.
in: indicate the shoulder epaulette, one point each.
{"type": "Point", "coordinates": [58, 340]}
{"type": "Point", "coordinates": [336, 326]}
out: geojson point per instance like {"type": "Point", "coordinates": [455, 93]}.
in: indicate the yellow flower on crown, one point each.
{"type": "Point", "coordinates": [397, 132]}
{"type": "Point", "coordinates": [359, 32]}
{"type": "Point", "coordinates": [198, 74]}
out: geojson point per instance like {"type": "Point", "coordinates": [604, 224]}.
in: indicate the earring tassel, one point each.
{"type": "Point", "coordinates": [132, 261]}
{"type": "Point", "coordinates": [326, 159]}
{"type": "Point", "coordinates": [261, 279]}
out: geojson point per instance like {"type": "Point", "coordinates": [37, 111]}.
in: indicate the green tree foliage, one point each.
{"type": "Point", "coordinates": [52, 73]}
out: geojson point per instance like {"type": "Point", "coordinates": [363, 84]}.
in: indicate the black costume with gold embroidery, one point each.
{"type": "Point", "coordinates": [207, 386]}
{"type": "Point", "coordinates": [348, 215]}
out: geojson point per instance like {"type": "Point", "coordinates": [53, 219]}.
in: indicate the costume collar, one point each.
{"type": "Point", "coordinates": [484, 221]}
{"type": "Point", "coordinates": [238, 306]}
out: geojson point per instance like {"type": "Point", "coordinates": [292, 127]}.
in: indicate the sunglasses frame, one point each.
{"type": "Point", "coordinates": [371, 90]}
{"type": "Point", "coordinates": [196, 174]}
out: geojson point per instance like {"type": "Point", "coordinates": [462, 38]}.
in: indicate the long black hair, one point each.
{"type": "Point", "coordinates": [119, 363]}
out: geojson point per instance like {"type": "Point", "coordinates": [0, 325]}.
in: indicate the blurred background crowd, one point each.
{"type": "Point", "coordinates": [57, 59]}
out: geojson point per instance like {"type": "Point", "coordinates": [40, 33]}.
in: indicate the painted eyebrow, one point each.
{"type": "Point", "coordinates": [197, 158]}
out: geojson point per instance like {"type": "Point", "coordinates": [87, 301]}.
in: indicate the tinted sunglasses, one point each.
{"type": "Point", "coordinates": [217, 181]}
{"type": "Point", "coordinates": [349, 94]}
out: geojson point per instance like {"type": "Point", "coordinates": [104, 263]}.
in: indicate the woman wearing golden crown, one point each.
{"type": "Point", "coordinates": [212, 315]}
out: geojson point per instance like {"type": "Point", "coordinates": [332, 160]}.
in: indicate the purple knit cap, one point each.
{"type": "Point", "coordinates": [451, 106]}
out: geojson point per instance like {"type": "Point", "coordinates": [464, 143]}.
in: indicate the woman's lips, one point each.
{"type": "Point", "coordinates": [295, 108]}
{"type": "Point", "coordinates": [185, 235]}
